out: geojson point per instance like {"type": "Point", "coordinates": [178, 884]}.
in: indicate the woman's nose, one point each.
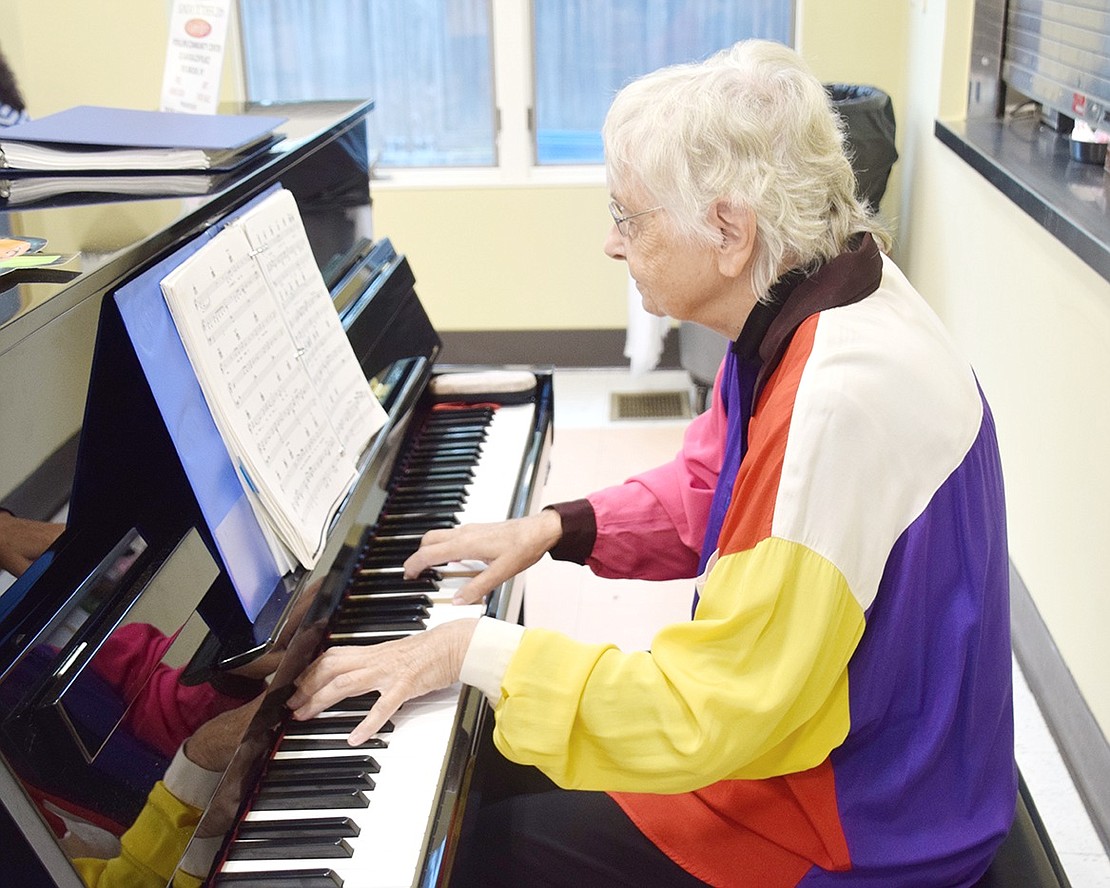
{"type": "Point", "coordinates": [614, 243]}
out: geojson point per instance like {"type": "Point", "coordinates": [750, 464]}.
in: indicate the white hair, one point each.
{"type": "Point", "coordinates": [751, 126]}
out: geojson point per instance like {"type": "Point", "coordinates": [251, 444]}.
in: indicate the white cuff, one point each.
{"type": "Point", "coordinates": [188, 782]}
{"type": "Point", "coordinates": [491, 648]}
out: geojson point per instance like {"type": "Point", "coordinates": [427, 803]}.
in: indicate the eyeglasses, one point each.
{"type": "Point", "coordinates": [620, 217]}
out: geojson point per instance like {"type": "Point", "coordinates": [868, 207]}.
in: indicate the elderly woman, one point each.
{"type": "Point", "coordinates": [838, 710]}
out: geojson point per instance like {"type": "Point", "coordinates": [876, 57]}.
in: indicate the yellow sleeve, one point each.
{"type": "Point", "coordinates": [151, 847]}
{"type": "Point", "coordinates": [755, 685]}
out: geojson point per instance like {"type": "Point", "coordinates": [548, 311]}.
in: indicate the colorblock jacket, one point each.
{"type": "Point", "coordinates": [838, 710]}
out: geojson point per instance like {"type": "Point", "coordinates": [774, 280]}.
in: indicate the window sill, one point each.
{"type": "Point", "coordinates": [1031, 165]}
{"type": "Point", "coordinates": [488, 177]}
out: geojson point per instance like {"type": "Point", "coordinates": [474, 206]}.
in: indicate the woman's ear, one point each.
{"type": "Point", "coordinates": [737, 244]}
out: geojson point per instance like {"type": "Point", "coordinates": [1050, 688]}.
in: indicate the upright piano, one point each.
{"type": "Point", "coordinates": [127, 635]}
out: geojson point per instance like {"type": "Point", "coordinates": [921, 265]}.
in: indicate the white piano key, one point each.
{"type": "Point", "coordinates": [389, 848]}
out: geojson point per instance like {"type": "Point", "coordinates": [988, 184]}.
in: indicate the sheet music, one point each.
{"type": "Point", "coordinates": [255, 378]}
{"type": "Point", "coordinates": [275, 229]}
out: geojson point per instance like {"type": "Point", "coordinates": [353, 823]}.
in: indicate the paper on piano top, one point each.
{"type": "Point", "coordinates": [277, 372]}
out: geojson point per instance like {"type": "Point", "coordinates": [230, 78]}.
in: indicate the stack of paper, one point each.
{"type": "Point", "coordinates": [91, 137]}
{"type": "Point", "coordinates": [25, 190]}
{"type": "Point", "coordinates": [277, 371]}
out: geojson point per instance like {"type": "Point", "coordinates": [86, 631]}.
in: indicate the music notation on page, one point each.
{"type": "Point", "coordinates": [277, 372]}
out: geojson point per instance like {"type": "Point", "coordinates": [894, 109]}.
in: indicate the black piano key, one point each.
{"type": "Point", "coordinates": [478, 418]}
{"type": "Point", "coordinates": [394, 572]}
{"type": "Point", "coordinates": [365, 590]}
{"type": "Point", "coordinates": [435, 423]}
{"type": "Point", "coordinates": [314, 744]}
{"type": "Point", "coordinates": [306, 878]}
{"type": "Point", "coordinates": [377, 615]}
{"type": "Point", "coordinates": [445, 504]}
{"type": "Point", "coordinates": [343, 827]}
{"type": "Point", "coordinates": [374, 613]}
{"type": "Point", "coordinates": [393, 576]}
{"type": "Point", "coordinates": [463, 477]}
{"type": "Point", "coordinates": [297, 848]}
{"type": "Point", "coordinates": [330, 724]}
{"type": "Point", "coordinates": [354, 599]}
{"type": "Point", "coordinates": [442, 485]}
{"type": "Point", "coordinates": [383, 597]}
{"type": "Point", "coordinates": [434, 465]}
{"type": "Point", "coordinates": [419, 525]}
{"type": "Point", "coordinates": [334, 780]}
{"type": "Point", "coordinates": [363, 639]}
{"type": "Point", "coordinates": [443, 425]}
{"type": "Point", "coordinates": [356, 774]}
{"type": "Point", "coordinates": [459, 452]}
{"type": "Point", "coordinates": [396, 544]}
{"type": "Point", "coordinates": [292, 799]}
{"type": "Point", "coordinates": [385, 559]}
{"type": "Point", "coordinates": [362, 593]}
{"type": "Point", "coordinates": [359, 701]}
{"type": "Point", "coordinates": [391, 537]}
{"type": "Point", "coordinates": [360, 760]}
{"type": "Point", "coordinates": [466, 450]}
{"type": "Point", "coordinates": [385, 606]}
{"type": "Point", "coordinates": [359, 627]}
{"type": "Point", "coordinates": [447, 435]}
{"type": "Point", "coordinates": [391, 517]}
{"type": "Point", "coordinates": [332, 783]}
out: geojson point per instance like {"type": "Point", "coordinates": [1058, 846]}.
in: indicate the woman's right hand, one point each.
{"type": "Point", "coordinates": [506, 548]}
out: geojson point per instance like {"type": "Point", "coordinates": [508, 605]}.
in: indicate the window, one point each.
{"type": "Point", "coordinates": [585, 50]}
{"type": "Point", "coordinates": [485, 83]}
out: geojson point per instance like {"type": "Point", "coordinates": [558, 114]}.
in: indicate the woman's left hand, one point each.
{"type": "Point", "coordinates": [398, 670]}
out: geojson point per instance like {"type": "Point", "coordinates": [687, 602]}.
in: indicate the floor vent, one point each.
{"type": "Point", "coordinates": [649, 405]}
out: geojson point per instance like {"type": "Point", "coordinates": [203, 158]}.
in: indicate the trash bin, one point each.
{"type": "Point", "coordinates": [869, 129]}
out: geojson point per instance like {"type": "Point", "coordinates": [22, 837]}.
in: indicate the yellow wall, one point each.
{"type": "Point", "coordinates": [96, 53]}
{"type": "Point", "coordinates": [500, 258]}
{"type": "Point", "coordinates": [1035, 321]}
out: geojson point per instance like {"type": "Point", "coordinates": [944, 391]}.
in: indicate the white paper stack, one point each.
{"type": "Point", "coordinates": [277, 371]}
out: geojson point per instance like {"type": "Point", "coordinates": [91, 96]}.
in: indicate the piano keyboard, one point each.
{"type": "Point", "coordinates": [326, 814]}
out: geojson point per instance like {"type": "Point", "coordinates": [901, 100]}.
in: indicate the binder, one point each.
{"type": "Point", "coordinates": [93, 137]}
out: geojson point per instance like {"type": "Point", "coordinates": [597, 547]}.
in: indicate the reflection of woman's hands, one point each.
{"type": "Point", "coordinates": [399, 670]}
{"type": "Point", "coordinates": [507, 548]}
{"type": "Point", "coordinates": [23, 540]}
{"type": "Point", "coordinates": [265, 665]}
{"type": "Point", "coordinates": [214, 743]}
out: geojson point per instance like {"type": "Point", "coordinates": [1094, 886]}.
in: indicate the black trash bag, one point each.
{"type": "Point", "coordinates": [869, 127]}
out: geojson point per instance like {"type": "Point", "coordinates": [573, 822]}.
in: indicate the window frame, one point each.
{"type": "Point", "coordinates": [512, 35]}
